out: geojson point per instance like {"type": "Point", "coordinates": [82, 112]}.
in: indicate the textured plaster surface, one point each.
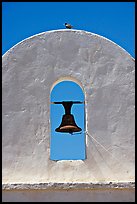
{"type": "Point", "coordinates": [106, 73]}
{"type": "Point", "coordinates": [69, 186]}
{"type": "Point", "coordinates": [69, 196]}
{"type": "Point", "coordinates": [105, 195]}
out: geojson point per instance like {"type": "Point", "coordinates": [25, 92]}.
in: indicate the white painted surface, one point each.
{"type": "Point", "coordinates": [69, 196]}
{"type": "Point", "coordinates": [106, 73]}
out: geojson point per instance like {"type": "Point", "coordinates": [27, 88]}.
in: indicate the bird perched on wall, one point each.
{"type": "Point", "coordinates": [68, 25]}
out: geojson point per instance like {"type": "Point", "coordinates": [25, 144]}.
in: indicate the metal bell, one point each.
{"type": "Point", "coordinates": [68, 123]}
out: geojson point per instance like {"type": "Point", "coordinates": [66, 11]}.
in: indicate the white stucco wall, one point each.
{"type": "Point", "coordinates": [69, 196]}
{"type": "Point", "coordinates": [106, 72]}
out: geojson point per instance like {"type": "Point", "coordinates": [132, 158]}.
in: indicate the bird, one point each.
{"type": "Point", "coordinates": [68, 25]}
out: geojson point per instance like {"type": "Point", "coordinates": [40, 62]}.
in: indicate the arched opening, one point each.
{"type": "Point", "coordinates": [67, 145]}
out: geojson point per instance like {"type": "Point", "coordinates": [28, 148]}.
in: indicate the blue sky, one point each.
{"type": "Point", "coordinates": [65, 145]}
{"type": "Point", "coordinates": [113, 20]}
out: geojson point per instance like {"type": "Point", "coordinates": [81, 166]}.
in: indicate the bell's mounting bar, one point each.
{"type": "Point", "coordinates": [78, 102]}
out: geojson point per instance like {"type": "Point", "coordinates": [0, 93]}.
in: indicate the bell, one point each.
{"type": "Point", "coordinates": [68, 122]}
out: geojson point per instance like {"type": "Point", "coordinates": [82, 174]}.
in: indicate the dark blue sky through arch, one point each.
{"type": "Point", "coordinates": [66, 146]}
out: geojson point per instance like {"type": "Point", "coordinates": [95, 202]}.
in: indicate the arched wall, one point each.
{"type": "Point", "coordinates": [67, 78]}
{"type": "Point", "coordinates": [106, 73]}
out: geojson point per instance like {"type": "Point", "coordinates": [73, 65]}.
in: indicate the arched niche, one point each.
{"type": "Point", "coordinates": [63, 145]}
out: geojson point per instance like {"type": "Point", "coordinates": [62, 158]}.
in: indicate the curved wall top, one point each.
{"type": "Point", "coordinates": [104, 70]}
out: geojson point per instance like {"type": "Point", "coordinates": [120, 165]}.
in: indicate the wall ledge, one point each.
{"type": "Point", "coordinates": [68, 186]}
